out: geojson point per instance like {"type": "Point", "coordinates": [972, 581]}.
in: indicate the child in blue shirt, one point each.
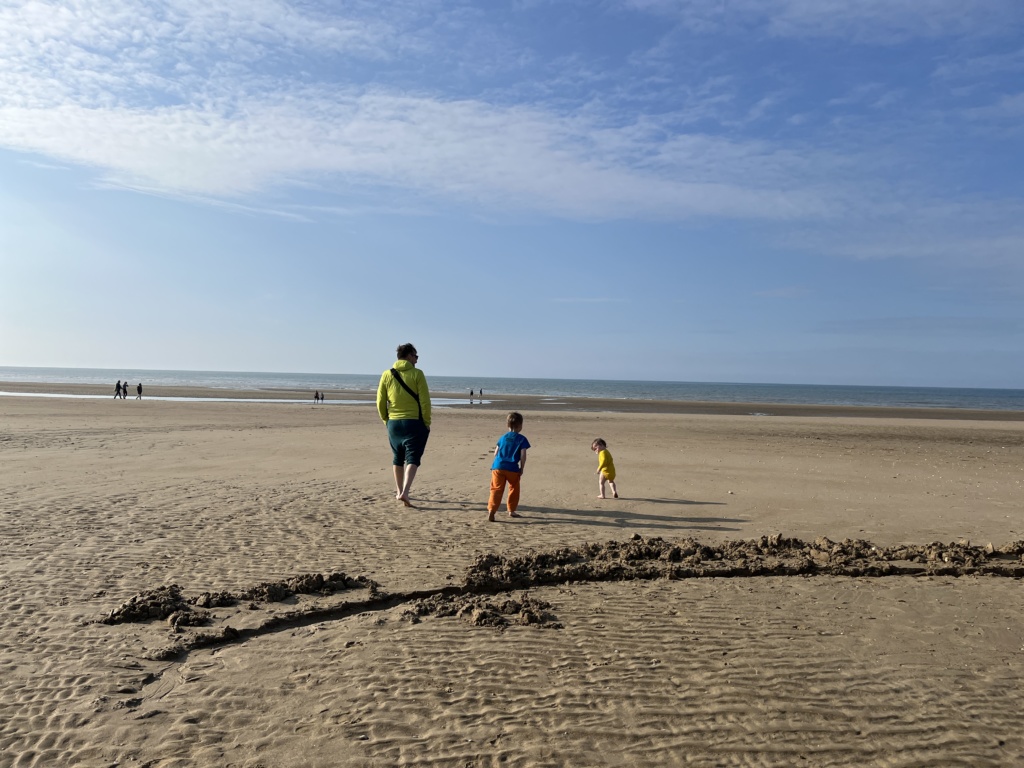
{"type": "Point", "coordinates": [509, 463]}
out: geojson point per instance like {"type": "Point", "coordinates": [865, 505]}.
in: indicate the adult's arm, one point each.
{"type": "Point", "coordinates": [424, 393]}
{"type": "Point", "coordinates": [382, 396]}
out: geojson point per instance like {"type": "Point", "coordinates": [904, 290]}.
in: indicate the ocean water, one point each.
{"type": "Point", "coordinates": [799, 394]}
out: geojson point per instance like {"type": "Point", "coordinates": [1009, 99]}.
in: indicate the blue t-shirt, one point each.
{"type": "Point", "coordinates": [509, 446]}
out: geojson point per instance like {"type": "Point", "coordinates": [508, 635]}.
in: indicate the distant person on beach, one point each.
{"type": "Point", "coordinates": [403, 402]}
{"type": "Point", "coordinates": [117, 389]}
{"type": "Point", "coordinates": [124, 390]}
{"type": "Point", "coordinates": [508, 466]}
{"type": "Point", "coordinates": [316, 396]}
{"type": "Point", "coordinates": [605, 468]}
{"type": "Point", "coordinates": [138, 389]}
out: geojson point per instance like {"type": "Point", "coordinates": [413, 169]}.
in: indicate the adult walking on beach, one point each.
{"type": "Point", "coordinates": [139, 390]}
{"type": "Point", "coordinates": [117, 389]}
{"type": "Point", "coordinates": [403, 402]}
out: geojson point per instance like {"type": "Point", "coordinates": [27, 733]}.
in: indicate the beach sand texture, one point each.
{"type": "Point", "coordinates": [406, 657]}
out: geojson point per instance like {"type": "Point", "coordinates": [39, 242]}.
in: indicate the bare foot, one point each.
{"type": "Point", "coordinates": [514, 514]}
{"type": "Point", "coordinates": [602, 497]}
{"type": "Point", "coordinates": [490, 517]}
{"type": "Point", "coordinates": [404, 500]}
{"type": "Point", "coordinates": [615, 496]}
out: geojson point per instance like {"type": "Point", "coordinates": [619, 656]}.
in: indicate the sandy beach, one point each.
{"type": "Point", "coordinates": [198, 583]}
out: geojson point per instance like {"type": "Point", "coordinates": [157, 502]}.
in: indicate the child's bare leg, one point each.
{"type": "Point", "coordinates": [615, 491]}
{"type": "Point", "coordinates": [600, 486]}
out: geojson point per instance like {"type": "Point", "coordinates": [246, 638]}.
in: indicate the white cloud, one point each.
{"type": "Point", "coordinates": [465, 150]}
{"type": "Point", "coordinates": [179, 99]}
{"type": "Point", "coordinates": [232, 101]}
{"type": "Point", "coordinates": [126, 52]}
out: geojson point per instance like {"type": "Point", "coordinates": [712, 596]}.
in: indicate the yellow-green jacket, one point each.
{"type": "Point", "coordinates": [393, 402]}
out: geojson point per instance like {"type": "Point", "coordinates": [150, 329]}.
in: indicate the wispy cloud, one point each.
{"type": "Point", "coordinates": [974, 67]}
{"type": "Point", "coordinates": [237, 103]}
{"type": "Point", "coordinates": [46, 166]}
{"type": "Point", "coordinates": [465, 150]}
{"type": "Point", "coordinates": [786, 292]}
{"type": "Point", "coordinates": [976, 247]}
{"type": "Point", "coordinates": [1006, 107]}
{"type": "Point", "coordinates": [938, 326]}
{"type": "Point", "coordinates": [871, 21]}
{"type": "Point", "coordinates": [870, 95]}
{"type": "Point", "coordinates": [178, 100]}
{"type": "Point", "coordinates": [589, 300]}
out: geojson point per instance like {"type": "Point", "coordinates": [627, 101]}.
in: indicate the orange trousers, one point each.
{"type": "Point", "coordinates": [498, 479]}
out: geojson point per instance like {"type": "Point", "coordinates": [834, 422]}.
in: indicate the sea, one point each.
{"type": "Point", "coordinates": [337, 384]}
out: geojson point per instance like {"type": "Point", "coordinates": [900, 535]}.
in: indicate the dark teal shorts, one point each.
{"type": "Point", "coordinates": [408, 438]}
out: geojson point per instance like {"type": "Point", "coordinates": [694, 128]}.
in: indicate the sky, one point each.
{"type": "Point", "coordinates": [791, 191]}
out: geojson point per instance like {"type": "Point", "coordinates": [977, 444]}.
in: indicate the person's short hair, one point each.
{"type": "Point", "coordinates": [515, 419]}
{"type": "Point", "coordinates": [599, 442]}
{"type": "Point", "coordinates": [404, 350]}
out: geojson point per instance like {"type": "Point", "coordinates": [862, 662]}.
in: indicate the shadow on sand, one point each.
{"type": "Point", "coordinates": [620, 519]}
{"type": "Point", "coordinates": [603, 514]}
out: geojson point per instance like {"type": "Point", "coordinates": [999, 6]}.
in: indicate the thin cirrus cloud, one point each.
{"type": "Point", "coordinates": [865, 21]}
{"type": "Point", "coordinates": [236, 100]}
{"type": "Point", "coordinates": [462, 150]}
{"type": "Point", "coordinates": [938, 326]}
{"type": "Point", "coordinates": [589, 300]}
{"type": "Point", "coordinates": [975, 67]}
{"type": "Point", "coordinates": [181, 98]}
{"type": "Point", "coordinates": [139, 31]}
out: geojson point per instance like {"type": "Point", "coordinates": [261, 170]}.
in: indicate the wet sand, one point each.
{"type": "Point", "coordinates": [232, 584]}
{"type": "Point", "coordinates": [541, 403]}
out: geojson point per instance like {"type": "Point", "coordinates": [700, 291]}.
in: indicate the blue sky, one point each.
{"type": "Point", "coordinates": [807, 191]}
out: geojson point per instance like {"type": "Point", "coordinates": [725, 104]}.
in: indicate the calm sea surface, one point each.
{"type": "Point", "coordinates": [802, 394]}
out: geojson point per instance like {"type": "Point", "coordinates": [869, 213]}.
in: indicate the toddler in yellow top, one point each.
{"type": "Point", "coordinates": [605, 468]}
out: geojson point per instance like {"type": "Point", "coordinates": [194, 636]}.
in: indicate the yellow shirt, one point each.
{"type": "Point", "coordinates": [605, 465]}
{"type": "Point", "coordinates": [393, 402]}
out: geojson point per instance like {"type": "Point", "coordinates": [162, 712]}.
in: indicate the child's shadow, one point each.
{"type": "Point", "coordinates": [618, 518]}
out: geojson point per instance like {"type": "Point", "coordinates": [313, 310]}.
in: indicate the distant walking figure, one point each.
{"type": "Point", "coordinates": [124, 390]}
{"type": "Point", "coordinates": [117, 389]}
{"type": "Point", "coordinates": [316, 396]}
{"type": "Point", "coordinates": [139, 390]}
